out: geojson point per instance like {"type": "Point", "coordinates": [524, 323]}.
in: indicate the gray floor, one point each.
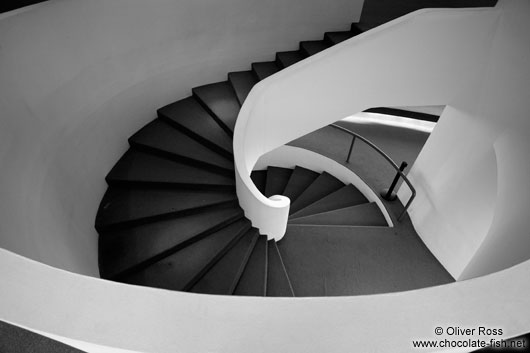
{"type": "Point", "coordinates": [14, 339]}
{"type": "Point", "coordinates": [362, 260]}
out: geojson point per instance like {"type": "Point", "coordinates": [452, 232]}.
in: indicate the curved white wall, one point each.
{"type": "Point", "coordinates": [429, 57]}
{"type": "Point", "coordinates": [36, 208]}
{"type": "Point", "coordinates": [78, 77]}
{"type": "Point", "coordinates": [475, 61]}
{"type": "Point", "coordinates": [152, 320]}
{"type": "Point", "coordinates": [472, 174]}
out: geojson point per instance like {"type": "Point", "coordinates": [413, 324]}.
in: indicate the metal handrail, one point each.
{"type": "Point", "coordinates": [392, 163]}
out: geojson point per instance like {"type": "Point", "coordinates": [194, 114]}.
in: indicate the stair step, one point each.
{"type": "Point", "coordinates": [190, 117]}
{"type": "Point", "coordinates": [367, 214]}
{"type": "Point", "coordinates": [161, 138]}
{"type": "Point", "coordinates": [181, 270]}
{"type": "Point", "coordinates": [277, 179]}
{"type": "Point", "coordinates": [253, 281]}
{"type": "Point", "coordinates": [220, 100]}
{"type": "Point", "coordinates": [311, 47]}
{"type": "Point", "coordinates": [242, 82]}
{"type": "Point", "coordinates": [337, 37]}
{"type": "Point", "coordinates": [259, 177]}
{"type": "Point", "coordinates": [338, 260]}
{"type": "Point", "coordinates": [300, 179]}
{"type": "Point", "coordinates": [346, 196]}
{"type": "Point", "coordinates": [278, 283]}
{"type": "Point", "coordinates": [126, 250]}
{"type": "Point", "coordinates": [139, 168]}
{"type": "Point", "coordinates": [355, 29]}
{"type": "Point", "coordinates": [287, 58]}
{"type": "Point", "coordinates": [324, 185]}
{"type": "Point", "coordinates": [262, 70]}
{"type": "Point", "coordinates": [222, 278]}
{"type": "Point", "coordinates": [123, 207]}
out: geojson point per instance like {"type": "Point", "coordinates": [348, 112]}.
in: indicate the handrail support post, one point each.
{"type": "Point", "coordinates": [388, 194]}
{"type": "Point", "coordinates": [351, 149]}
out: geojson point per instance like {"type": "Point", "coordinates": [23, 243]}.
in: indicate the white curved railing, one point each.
{"type": "Point", "coordinates": [424, 58]}
{"type": "Point", "coordinates": [88, 309]}
{"type": "Point", "coordinates": [144, 319]}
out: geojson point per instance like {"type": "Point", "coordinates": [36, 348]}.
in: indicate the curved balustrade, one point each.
{"type": "Point", "coordinates": [427, 46]}
{"type": "Point", "coordinates": [385, 156]}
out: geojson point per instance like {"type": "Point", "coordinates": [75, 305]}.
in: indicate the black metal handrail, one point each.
{"type": "Point", "coordinates": [399, 170]}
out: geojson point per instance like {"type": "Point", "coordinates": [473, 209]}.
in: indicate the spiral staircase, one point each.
{"type": "Point", "coordinates": [170, 217]}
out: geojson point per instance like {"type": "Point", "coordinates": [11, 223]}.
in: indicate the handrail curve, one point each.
{"type": "Point", "coordinates": [385, 156]}
{"type": "Point", "coordinates": [337, 82]}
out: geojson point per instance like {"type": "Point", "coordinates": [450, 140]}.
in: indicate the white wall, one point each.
{"type": "Point", "coordinates": [431, 57]}
{"type": "Point", "coordinates": [152, 320]}
{"type": "Point", "coordinates": [77, 77]}
{"type": "Point", "coordinates": [469, 213]}
{"type": "Point", "coordinates": [472, 210]}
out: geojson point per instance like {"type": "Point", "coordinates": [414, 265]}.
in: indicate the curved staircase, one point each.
{"type": "Point", "coordinates": [170, 217]}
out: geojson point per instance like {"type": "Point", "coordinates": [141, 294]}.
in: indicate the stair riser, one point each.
{"type": "Point", "coordinates": [166, 185]}
{"type": "Point", "coordinates": [225, 128]}
{"type": "Point", "coordinates": [242, 267]}
{"type": "Point", "coordinates": [216, 258]}
{"type": "Point", "coordinates": [182, 159]}
{"type": "Point", "coordinates": [141, 265]}
{"type": "Point", "coordinates": [169, 215]}
{"type": "Point", "coordinates": [212, 146]}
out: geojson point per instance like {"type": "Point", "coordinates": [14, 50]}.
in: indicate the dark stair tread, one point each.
{"type": "Point", "coordinates": [259, 177]}
{"type": "Point", "coordinates": [253, 281]}
{"type": "Point", "coordinates": [220, 100]}
{"type": "Point", "coordinates": [346, 196]}
{"type": "Point", "coordinates": [324, 185]}
{"type": "Point", "coordinates": [222, 278]}
{"type": "Point", "coordinates": [277, 179]}
{"type": "Point", "coordinates": [242, 82]}
{"type": "Point", "coordinates": [337, 37]}
{"type": "Point", "coordinates": [311, 47]}
{"type": "Point", "coordinates": [287, 58]}
{"type": "Point", "coordinates": [338, 260]}
{"type": "Point", "coordinates": [367, 214]}
{"type": "Point", "coordinates": [136, 247]}
{"type": "Point", "coordinates": [278, 283]}
{"type": "Point", "coordinates": [300, 179]}
{"type": "Point", "coordinates": [190, 117]}
{"type": "Point", "coordinates": [161, 138]}
{"type": "Point", "coordinates": [121, 207]}
{"type": "Point", "coordinates": [141, 168]}
{"type": "Point", "coordinates": [181, 270]}
{"type": "Point", "coordinates": [355, 29]}
{"type": "Point", "coordinates": [262, 70]}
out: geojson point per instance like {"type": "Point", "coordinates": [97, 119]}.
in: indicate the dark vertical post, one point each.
{"type": "Point", "coordinates": [388, 194]}
{"type": "Point", "coordinates": [351, 148]}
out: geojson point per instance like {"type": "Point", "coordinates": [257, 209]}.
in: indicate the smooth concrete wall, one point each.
{"type": "Point", "coordinates": [152, 320]}
{"type": "Point", "coordinates": [472, 210]}
{"type": "Point", "coordinates": [77, 77]}
{"type": "Point", "coordinates": [475, 61]}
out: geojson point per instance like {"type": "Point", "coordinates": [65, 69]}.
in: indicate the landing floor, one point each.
{"type": "Point", "coordinates": [362, 260]}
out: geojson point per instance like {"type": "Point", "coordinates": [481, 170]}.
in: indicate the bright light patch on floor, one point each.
{"type": "Point", "coordinates": [391, 120]}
